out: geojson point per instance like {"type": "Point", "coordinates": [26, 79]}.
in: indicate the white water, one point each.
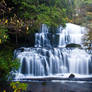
{"type": "Point", "coordinates": [71, 34]}
{"type": "Point", "coordinates": [47, 61]}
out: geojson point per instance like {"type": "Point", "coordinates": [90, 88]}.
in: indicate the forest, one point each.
{"type": "Point", "coordinates": [21, 19]}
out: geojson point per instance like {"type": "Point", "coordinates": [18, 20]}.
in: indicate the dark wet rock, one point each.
{"type": "Point", "coordinates": [72, 76]}
{"type": "Point", "coordinates": [21, 49]}
{"type": "Point", "coordinates": [72, 45]}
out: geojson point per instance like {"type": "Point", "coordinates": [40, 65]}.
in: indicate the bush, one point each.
{"type": "Point", "coordinates": [7, 64]}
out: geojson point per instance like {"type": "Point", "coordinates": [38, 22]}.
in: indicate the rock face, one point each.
{"type": "Point", "coordinates": [72, 76]}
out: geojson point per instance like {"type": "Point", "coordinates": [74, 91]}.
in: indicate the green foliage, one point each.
{"type": "Point", "coordinates": [7, 64]}
{"type": "Point", "coordinates": [87, 1]}
{"type": "Point", "coordinates": [41, 12]}
{"type": "Point", "coordinates": [68, 5]}
{"type": "Point", "coordinates": [17, 86]}
{"type": "Point", "coordinates": [3, 34]}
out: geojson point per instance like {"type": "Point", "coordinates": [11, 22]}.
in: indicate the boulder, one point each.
{"type": "Point", "coordinates": [71, 76]}
{"type": "Point", "coordinates": [73, 45]}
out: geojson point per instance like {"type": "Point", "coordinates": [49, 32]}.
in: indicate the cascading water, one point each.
{"type": "Point", "coordinates": [46, 60]}
{"type": "Point", "coordinates": [41, 39]}
{"type": "Point", "coordinates": [71, 34]}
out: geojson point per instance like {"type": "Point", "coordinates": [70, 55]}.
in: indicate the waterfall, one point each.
{"type": "Point", "coordinates": [45, 59]}
{"type": "Point", "coordinates": [41, 39]}
{"type": "Point", "coordinates": [71, 34]}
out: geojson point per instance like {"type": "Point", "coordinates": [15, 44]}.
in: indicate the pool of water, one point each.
{"type": "Point", "coordinates": [60, 86]}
